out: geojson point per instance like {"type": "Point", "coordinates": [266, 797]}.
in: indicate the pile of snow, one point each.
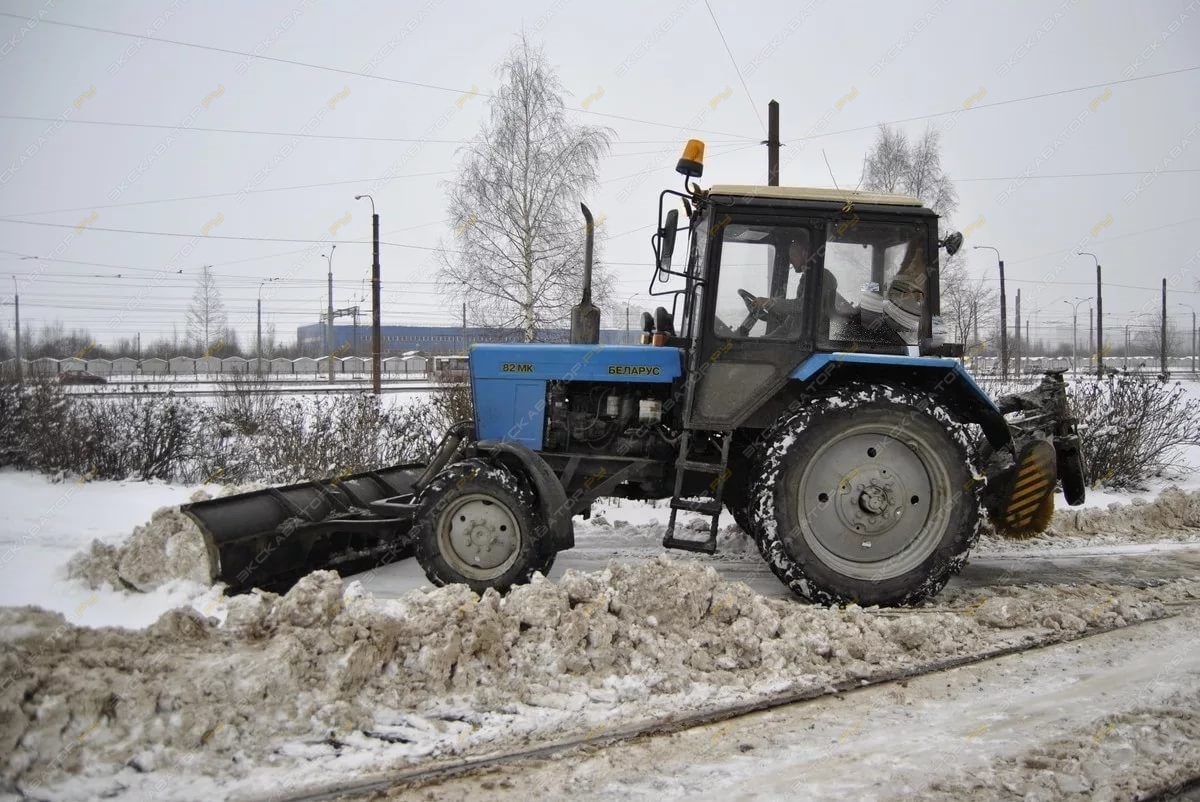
{"type": "Point", "coordinates": [168, 547]}
{"type": "Point", "coordinates": [325, 671]}
{"type": "Point", "coordinates": [1174, 515]}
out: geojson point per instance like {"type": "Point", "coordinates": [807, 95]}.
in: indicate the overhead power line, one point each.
{"type": "Point", "coordinates": [338, 70]}
{"type": "Point", "coordinates": [335, 137]}
{"type": "Point", "coordinates": [978, 106]}
{"type": "Point", "coordinates": [736, 68]}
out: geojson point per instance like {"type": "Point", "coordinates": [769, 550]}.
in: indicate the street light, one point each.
{"type": "Point", "coordinates": [259, 344]}
{"type": "Point", "coordinates": [1075, 327]}
{"type": "Point", "coordinates": [329, 319]}
{"type": "Point", "coordinates": [1186, 306]}
{"type": "Point", "coordinates": [376, 335]}
{"type": "Point", "coordinates": [1127, 324]}
{"type": "Point", "coordinates": [1099, 314]}
{"type": "Point", "coordinates": [1003, 314]}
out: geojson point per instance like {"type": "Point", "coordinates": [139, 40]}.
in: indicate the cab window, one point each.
{"type": "Point", "coordinates": [881, 274]}
{"type": "Point", "coordinates": [758, 293]}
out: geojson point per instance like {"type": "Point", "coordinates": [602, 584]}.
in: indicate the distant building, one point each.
{"type": "Point", "coordinates": [431, 339]}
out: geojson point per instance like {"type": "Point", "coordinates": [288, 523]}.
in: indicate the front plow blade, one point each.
{"type": "Point", "coordinates": [270, 538]}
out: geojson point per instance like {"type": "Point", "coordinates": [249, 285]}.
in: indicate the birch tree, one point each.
{"type": "Point", "coordinates": [206, 314]}
{"type": "Point", "coordinates": [516, 257]}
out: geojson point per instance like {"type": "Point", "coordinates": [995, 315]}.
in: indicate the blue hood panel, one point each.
{"type": "Point", "coordinates": [509, 380]}
{"type": "Point", "coordinates": [556, 362]}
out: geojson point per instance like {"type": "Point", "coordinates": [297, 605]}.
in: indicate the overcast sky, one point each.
{"type": "Point", "coordinates": [661, 68]}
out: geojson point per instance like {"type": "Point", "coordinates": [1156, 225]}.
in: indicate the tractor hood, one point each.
{"type": "Point", "coordinates": [509, 381]}
{"type": "Point", "coordinates": [555, 362]}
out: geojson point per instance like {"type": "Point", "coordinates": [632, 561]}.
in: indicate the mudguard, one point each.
{"type": "Point", "coordinates": [946, 378]}
{"type": "Point", "coordinates": [555, 508]}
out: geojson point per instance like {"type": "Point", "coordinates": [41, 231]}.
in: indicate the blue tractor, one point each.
{"type": "Point", "coordinates": [799, 379]}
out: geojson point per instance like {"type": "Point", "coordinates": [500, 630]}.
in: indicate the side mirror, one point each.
{"type": "Point", "coordinates": [667, 240]}
{"type": "Point", "coordinates": [953, 242]}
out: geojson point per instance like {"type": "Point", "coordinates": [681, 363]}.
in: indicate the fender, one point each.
{"type": "Point", "coordinates": [555, 509]}
{"type": "Point", "coordinates": [943, 377]}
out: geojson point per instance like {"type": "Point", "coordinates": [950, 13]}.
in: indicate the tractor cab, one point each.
{"type": "Point", "coordinates": [774, 275]}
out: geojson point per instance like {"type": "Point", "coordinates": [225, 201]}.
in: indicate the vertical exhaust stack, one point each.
{"type": "Point", "coordinates": [585, 318]}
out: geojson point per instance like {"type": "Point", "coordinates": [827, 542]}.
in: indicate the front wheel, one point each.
{"type": "Point", "coordinates": [477, 526]}
{"type": "Point", "coordinates": [871, 496]}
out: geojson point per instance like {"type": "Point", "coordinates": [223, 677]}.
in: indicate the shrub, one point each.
{"type": "Point", "coordinates": [1134, 428]}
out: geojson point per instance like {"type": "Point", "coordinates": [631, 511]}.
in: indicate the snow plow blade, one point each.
{"type": "Point", "coordinates": [270, 538]}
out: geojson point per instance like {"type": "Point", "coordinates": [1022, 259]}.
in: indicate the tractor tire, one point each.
{"type": "Point", "coordinates": [871, 496]}
{"type": "Point", "coordinates": [477, 526]}
{"type": "Point", "coordinates": [741, 515]}
{"type": "Point", "coordinates": [1072, 476]}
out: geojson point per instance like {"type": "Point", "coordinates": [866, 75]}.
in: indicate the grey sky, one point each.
{"type": "Point", "coordinates": [654, 62]}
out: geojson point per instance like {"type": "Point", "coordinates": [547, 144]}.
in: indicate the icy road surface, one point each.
{"type": "Point", "coordinates": [1110, 717]}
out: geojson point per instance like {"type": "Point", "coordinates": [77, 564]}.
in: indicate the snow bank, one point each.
{"type": "Point", "coordinates": [1174, 515]}
{"type": "Point", "coordinates": [168, 547]}
{"type": "Point", "coordinates": [324, 671]}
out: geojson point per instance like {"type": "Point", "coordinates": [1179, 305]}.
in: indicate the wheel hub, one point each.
{"type": "Point", "coordinates": [865, 498]}
{"type": "Point", "coordinates": [479, 534]}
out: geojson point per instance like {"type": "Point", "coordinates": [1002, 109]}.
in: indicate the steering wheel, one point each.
{"type": "Point", "coordinates": [756, 312]}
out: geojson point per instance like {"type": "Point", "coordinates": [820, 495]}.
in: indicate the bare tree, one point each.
{"type": "Point", "coordinates": [895, 164]}
{"type": "Point", "coordinates": [969, 304]}
{"type": "Point", "coordinates": [888, 161]}
{"type": "Point", "coordinates": [206, 315]}
{"type": "Point", "coordinates": [517, 256]}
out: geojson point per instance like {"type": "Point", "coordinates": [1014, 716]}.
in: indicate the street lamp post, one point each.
{"type": "Point", "coordinates": [329, 313]}
{"type": "Point", "coordinates": [1003, 314]}
{"type": "Point", "coordinates": [17, 326]}
{"type": "Point", "coordinates": [1193, 310]}
{"type": "Point", "coordinates": [1074, 329]}
{"type": "Point", "coordinates": [1099, 314]}
{"type": "Point", "coordinates": [258, 346]}
{"type": "Point", "coordinates": [376, 334]}
{"type": "Point", "coordinates": [1127, 325]}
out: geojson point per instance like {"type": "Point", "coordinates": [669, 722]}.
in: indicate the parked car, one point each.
{"type": "Point", "coordinates": [81, 377]}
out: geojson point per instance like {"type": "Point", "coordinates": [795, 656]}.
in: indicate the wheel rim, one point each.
{"type": "Point", "coordinates": [478, 536]}
{"type": "Point", "coordinates": [874, 502]}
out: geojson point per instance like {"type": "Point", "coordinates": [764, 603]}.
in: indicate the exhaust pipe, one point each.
{"type": "Point", "coordinates": [585, 318]}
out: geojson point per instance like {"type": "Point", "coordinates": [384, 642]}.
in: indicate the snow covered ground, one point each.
{"type": "Point", "coordinates": [260, 694]}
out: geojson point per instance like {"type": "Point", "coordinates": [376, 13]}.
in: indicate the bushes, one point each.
{"type": "Point", "coordinates": [246, 435]}
{"type": "Point", "coordinates": [1134, 428]}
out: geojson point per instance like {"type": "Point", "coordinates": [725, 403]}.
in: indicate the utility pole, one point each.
{"type": "Point", "coordinates": [329, 312]}
{"type": "Point", "coordinates": [376, 333]}
{"type": "Point", "coordinates": [1017, 334]}
{"type": "Point", "coordinates": [17, 326]}
{"type": "Point", "coordinates": [464, 326]}
{"type": "Point", "coordinates": [1003, 314]}
{"type": "Point", "coordinates": [1162, 355]}
{"type": "Point", "coordinates": [1099, 314]}
{"type": "Point", "coordinates": [772, 143]}
{"type": "Point", "coordinates": [627, 324]}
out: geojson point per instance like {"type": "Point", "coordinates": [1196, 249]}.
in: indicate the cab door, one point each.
{"type": "Point", "coordinates": [737, 363]}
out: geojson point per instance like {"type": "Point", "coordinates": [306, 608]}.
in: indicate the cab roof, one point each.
{"type": "Point", "coordinates": [814, 194]}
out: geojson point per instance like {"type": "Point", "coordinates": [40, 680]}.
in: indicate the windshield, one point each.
{"type": "Point", "coordinates": [880, 270]}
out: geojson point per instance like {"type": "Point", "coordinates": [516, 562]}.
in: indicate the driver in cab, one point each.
{"type": "Point", "coordinates": [784, 316]}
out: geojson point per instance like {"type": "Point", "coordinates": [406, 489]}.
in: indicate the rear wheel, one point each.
{"type": "Point", "coordinates": [477, 526]}
{"type": "Point", "coordinates": [870, 497]}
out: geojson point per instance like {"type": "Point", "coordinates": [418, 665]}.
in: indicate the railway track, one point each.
{"type": "Point", "coordinates": [414, 779]}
